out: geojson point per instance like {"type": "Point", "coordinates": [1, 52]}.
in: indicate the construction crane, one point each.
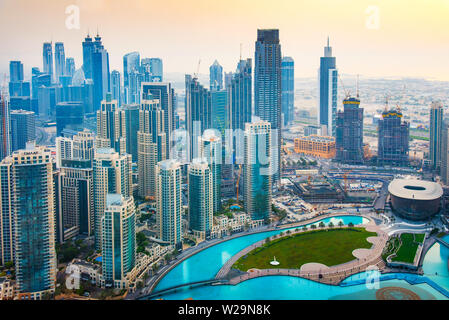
{"type": "Point", "coordinates": [345, 178]}
{"type": "Point", "coordinates": [197, 69]}
{"type": "Point", "coordinates": [238, 182]}
{"type": "Point", "coordinates": [347, 93]}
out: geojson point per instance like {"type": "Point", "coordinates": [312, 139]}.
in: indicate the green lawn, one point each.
{"type": "Point", "coordinates": [407, 250]}
{"type": "Point", "coordinates": [329, 247]}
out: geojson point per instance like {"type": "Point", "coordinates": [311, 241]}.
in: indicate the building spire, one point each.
{"type": "Point", "coordinates": [328, 41]}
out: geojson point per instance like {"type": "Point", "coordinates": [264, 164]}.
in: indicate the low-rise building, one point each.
{"type": "Point", "coordinates": [317, 146]}
{"type": "Point", "coordinates": [7, 289]}
{"type": "Point", "coordinates": [240, 221]}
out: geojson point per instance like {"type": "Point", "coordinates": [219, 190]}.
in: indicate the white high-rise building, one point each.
{"type": "Point", "coordinates": [112, 174]}
{"type": "Point", "coordinates": [169, 202]}
{"type": "Point", "coordinates": [151, 145]}
{"type": "Point", "coordinates": [201, 198]}
{"type": "Point", "coordinates": [111, 126]}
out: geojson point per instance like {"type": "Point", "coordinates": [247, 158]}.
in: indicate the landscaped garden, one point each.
{"type": "Point", "coordinates": [329, 247]}
{"type": "Point", "coordinates": [409, 246]}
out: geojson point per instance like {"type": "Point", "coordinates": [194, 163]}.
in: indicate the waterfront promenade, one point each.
{"type": "Point", "coordinates": [364, 260]}
{"type": "Point", "coordinates": [153, 282]}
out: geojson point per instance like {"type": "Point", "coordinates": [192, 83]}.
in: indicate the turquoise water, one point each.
{"type": "Point", "coordinates": [204, 266]}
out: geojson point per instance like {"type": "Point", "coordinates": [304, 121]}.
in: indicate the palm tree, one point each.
{"type": "Point", "coordinates": [321, 225]}
{"type": "Point", "coordinates": [331, 225]}
{"type": "Point", "coordinates": [313, 226]}
{"type": "Point", "coordinates": [350, 224]}
{"type": "Point", "coordinates": [304, 228]}
{"type": "Point", "coordinates": [340, 224]}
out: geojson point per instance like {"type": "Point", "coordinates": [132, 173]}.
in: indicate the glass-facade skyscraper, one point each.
{"type": "Point", "coordinates": [267, 88]}
{"type": "Point", "coordinates": [327, 98]}
{"type": "Point", "coordinates": [33, 206]}
{"type": "Point", "coordinates": [59, 61]}
{"type": "Point", "coordinates": [23, 128]}
{"type": "Point", "coordinates": [257, 171]}
{"type": "Point", "coordinates": [216, 76]}
{"type": "Point", "coordinates": [198, 113]}
{"type": "Point", "coordinates": [47, 55]}
{"type": "Point", "coordinates": [436, 127]}
{"type": "Point", "coordinates": [288, 89]}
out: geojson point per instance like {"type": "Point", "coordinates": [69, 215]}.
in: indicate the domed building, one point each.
{"type": "Point", "coordinates": [415, 199]}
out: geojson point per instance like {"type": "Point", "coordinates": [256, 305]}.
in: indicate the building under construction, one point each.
{"type": "Point", "coordinates": [393, 137]}
{"type": "Point", "coordinates": [349, 135]}
{"type": "Point", "coordinates": [318, 189]}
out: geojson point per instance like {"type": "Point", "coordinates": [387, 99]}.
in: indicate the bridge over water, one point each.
{"type": "Point", "coordinates": [175, 288]}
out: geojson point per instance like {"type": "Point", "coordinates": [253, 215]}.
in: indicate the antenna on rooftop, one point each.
{"type": "Point", "coordinates": [357, 87]}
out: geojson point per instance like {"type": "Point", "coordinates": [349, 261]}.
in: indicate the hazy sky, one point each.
{"type": "Point", "coordinates": [410, 39]}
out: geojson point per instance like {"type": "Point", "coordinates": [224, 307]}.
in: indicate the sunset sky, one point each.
{"type": "Point", "coordinates": [412, 39]}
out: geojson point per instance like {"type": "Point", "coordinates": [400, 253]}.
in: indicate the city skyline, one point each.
{"type": "Point", "coordinates": [361, 48]}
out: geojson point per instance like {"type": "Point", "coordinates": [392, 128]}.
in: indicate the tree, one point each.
{"type": "Point", "coordinates": [340, 224]}
{"type": "Point", "coordinates": [304, 228]}
{"type": "Point", "coordinates": [321, 225]}
{"type": "Point", "coordinates": [313, 226]}
{"type": "Point", "coordinates": [331, 225]}
{"type": "Point", "coordinates": [350, 224]}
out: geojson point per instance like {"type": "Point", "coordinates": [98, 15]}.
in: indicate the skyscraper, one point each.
{"type": "Point", "coordinates": [198, 114]}
{"type": "Point", "coordinates": [169, 202]}
{"type": "Point", "coordinates": [211, 151]}
{"type": "Point", "coordinates": [241, 95]}
{"type": "Point", "coordinates": [112, 174]}
{"type": "Point", "coordinates": [15, 71]}
{"type": "Point", "coordinates": [327, 98]}
{"type": "Point", "coordinates": [200, 198]}
{"type": "Point", "coordinates": [267, 88]}
{"type": "Point", "coordinates": [74, 158]}
{"type": "Point", "coordinates": [444, 172]}
{"type": "Point", "coordinates": [131, 62]}
{"type": "Point", "coordinates": [100, 72]}
{"type": "Point", "coordinates": [132, 127]}
{"type": "Point", "coordinates": [349, 132]}
{"type": "Point", "coordinates": [5, 131]}
{"type": "Point", "coordinates": [23, 128]}
{"type": "Point", "coordinates": [70, 67]}
{"type": "Point", "coordinates": [151, 142]}
{"type": "Point", "coordinates": [33, 204]}
{"type": "Point", "coordinates": [257, 171]}
{"type": "Point", "coordinates": [48, 59]}
{"type": "Point", "coordinates": [77, 197]}
{"type": "Point", "coordinates": [59, 60]}
{"type": "Point", "coordinates": [393, 139]}
{"type": "Point", "coordinates": [164, 92]}
{"type": "Point", "coordinates": [69, 115]}
{"type": "Point", "coordinates": [216, 76]}
{"type": "Point", "coordinates": [111, 126]}
{"type": "Point", "coordinates": [288, 89]}
{"type": "Point", "coordinates": [116, 87]}
{"type": "Point", "coordinates": [436, 125]}
{"type": "Point", "coordinates": [157, 70]}
{"type": "Point", "coordinates": [88, 50]}
{"type": "Point", "coordinates": [7, 223]}
{"type": "Point", "coordinates": [119, 239]}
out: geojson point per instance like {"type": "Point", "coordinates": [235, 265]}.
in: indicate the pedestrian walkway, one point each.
{"type": "Point", "coordinates": [332, 275]}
